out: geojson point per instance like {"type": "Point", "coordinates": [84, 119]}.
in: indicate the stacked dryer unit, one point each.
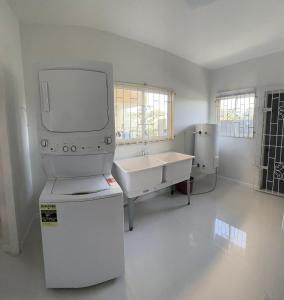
{"type": "Point", "coordinates": [81, 205]}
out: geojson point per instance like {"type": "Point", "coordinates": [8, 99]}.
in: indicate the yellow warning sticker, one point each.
{"type": "Point", "coordinates": [48, 214]}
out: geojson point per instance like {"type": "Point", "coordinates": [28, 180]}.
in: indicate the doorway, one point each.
{"type": "Point", "coordinates": [272, 166]}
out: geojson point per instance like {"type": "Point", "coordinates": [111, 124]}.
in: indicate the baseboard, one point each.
{"type": "Point", "coordinates": [250, 185]}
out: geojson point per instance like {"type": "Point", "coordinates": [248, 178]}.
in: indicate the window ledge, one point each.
{"type": "Point", "coordinates": [124, 143]}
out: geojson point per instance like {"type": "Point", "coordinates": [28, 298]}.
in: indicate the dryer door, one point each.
{"type": "Point", "coordinates": [74, 100]}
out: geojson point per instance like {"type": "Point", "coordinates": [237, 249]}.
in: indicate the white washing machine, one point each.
{"type": "Point", "coordinates": [81, 206]}
{"type": "Point", "coordinates": [82, 231]}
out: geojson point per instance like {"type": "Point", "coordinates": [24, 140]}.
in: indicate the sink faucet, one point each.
{"type": "Point", "coordinates": [144, 150]}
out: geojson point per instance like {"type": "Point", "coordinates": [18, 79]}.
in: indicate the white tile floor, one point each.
{"type": "Point", "coordinates": [227, 245]}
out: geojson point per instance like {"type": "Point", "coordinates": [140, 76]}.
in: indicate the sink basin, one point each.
{"type": "Point", "coordinates": [177, 166]}
{"type": "Point", "coordinates": [172, 157]}
{"type": "Point", "coordinates": [138, 175]}
{"type": "Point", "coordinates": [139, 163]}
{"type": "Point", "coordinates": [144, 174]}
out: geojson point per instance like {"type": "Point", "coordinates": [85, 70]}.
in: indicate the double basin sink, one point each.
{"type": "Point", "coordinates": [145, 174]}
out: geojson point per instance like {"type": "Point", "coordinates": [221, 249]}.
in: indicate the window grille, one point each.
{"type": "Point", "coordinates": [235, 114]}
{"type": "Point", "coordinates": [142, 113]}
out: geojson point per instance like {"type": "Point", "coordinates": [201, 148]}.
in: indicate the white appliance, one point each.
{"type": "Point", "coordinates": [206, 150]}
{"type": "Point", "coordinates": [81, 205]}
{"type": "Point", "coordinates": [82, 235]}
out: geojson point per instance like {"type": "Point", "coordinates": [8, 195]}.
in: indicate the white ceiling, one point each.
{"type": "Point", "coordinates": [212, 33]}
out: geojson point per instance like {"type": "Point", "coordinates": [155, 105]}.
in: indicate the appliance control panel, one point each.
{"type": "Point", "coordinates": [56, 144]}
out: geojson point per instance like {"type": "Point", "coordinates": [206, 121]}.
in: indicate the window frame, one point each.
{"type": "Point", "coordinates": [144, 88]}
{"type": "Point", "coordinates": [237, 93]}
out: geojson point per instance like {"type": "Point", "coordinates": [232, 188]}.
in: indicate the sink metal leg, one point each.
{"type": "Point", "coordinates": [172, 189]}
{"type": "Point", "coordinates": [188, 191]}
{"type": "Point", "coordinates": [130, 209]}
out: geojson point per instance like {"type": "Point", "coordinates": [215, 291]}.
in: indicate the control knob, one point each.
{"type": "Point", "coordinates": [73, 148]}
{"type": "Point", "coordinates": [108, 140]}
{"type": "Point", "coordinates": [65, 148]}
{"type": "Point", "coordinates": [44, 143]}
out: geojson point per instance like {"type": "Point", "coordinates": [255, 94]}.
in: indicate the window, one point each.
{"type": "Point", "coordinates": [142, 113]}
{"type": "Point", "coordinates": [235, 114]}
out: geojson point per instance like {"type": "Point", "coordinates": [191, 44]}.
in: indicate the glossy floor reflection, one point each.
{"type": "Point", "coordinates": [227, 245]}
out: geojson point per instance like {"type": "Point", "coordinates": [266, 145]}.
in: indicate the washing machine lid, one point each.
{"type": "Point", "coordinates": [79, 186]}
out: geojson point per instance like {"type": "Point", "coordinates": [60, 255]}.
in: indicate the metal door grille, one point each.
{"type": "Point", "coordinates": [273, 143]}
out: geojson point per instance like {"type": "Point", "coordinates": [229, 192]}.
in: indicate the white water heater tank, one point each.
{"type": "Point", "coordinates": [206, 150]}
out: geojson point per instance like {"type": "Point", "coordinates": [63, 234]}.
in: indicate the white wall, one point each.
{"type": "Point", "coordinates": [238, 156]}
{"type": "Point", "coordinates": [132, 62]}
{"type": "Point", "coordinates": [15, 160]}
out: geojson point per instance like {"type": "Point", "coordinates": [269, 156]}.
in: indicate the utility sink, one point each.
{"type": "Point", "coordinates": [177, 166]}
{"type": "Point", "coordinates": [172, 157]}
{"type": "Point", "coordinates": [140, 163]}
{"type": "Point", "coordinates": [144, 174]}
{"type": "Point", "coordinates": [141, 175]}
{"type": "Point", "coordinates": [138, 175]}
